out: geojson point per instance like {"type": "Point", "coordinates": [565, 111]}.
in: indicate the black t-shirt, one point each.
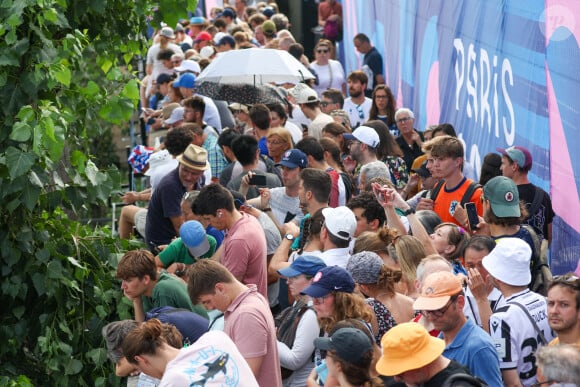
{"type": "Point", "coordinates": [410, 153]}
{"type": "Point", "coordinates": [543, 216]}
{"type": "Point", "coordinates": [439, 379]}
{"type": "Point", "coordinates": [374, 61]}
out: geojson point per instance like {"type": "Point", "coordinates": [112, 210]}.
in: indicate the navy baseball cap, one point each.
{"type": "Point", "coordinates": [227, 40]}
{"type": "Point", "coordinates": [350, 344]}
{"type": "Point", "coordinates": [228, 12]}
{"type": "Point", "coordinates": [330, 279]}
{"type": "Point", "coordinates": [305, 264]}
{"type": "Point", "coordinates": [294, 158]}
{"type": "Point", "coordinates": [163, 78]}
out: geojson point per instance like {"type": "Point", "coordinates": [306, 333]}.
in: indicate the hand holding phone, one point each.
{"type": "Point", "coordinates": [257, 180]}
{"type": "Point", "coordinates": [472, 216]}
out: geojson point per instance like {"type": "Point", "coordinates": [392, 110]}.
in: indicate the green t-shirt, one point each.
{"type": "Point", "coordinates": [171, 291]}
{"type": "Point", "coordinates": [176, 251]}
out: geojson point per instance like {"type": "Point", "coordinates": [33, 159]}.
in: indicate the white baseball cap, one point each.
{"type": "Point", "coordinates": [304, 94]}
{"type": "Point", "coordinates": [364, 134]}
{"type": "Point", "coordinates": [188, 65]}
{"type": "Point", "coordinates": [340, 222]}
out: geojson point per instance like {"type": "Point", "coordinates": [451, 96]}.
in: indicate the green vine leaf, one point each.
{"type": "Point", "coordinates": [18, 162]}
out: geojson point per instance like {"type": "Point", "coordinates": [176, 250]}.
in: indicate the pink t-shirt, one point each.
{"type": "Point", "coordinates": [249, 323]}
{"type": "Point", "coordinates": [245, 253]}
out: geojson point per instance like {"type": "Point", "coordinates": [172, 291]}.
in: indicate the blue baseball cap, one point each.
{"type": "Point", "coordinates": [197, 20]}
{"type": "Point", "coordinates": [305, 264]}
{"type": "Point", "coordinates": [186, 80]}
{"type": "Point", "coordinates": [294, 158]}
{"type": "Point", "coordinates": [194, 238]}
{"type": "Point", "coordinates": [330, 279]}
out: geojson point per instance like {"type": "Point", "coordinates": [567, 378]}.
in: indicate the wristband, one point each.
{"type": "Point", "coordinates": [267, 209]}
{"type": "Point", "coordinates": [409, 211]}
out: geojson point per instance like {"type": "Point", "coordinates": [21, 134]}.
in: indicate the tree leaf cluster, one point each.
{"type": "Point", "coordinates": [67, 75]}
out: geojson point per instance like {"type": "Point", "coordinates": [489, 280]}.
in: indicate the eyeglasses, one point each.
{"type": "Point", "coordinates": [403, 120]}
{"type": "Point", "coordinates": [324, 103]}
{"type": "Point", "coordinates": [276, 142]}
{"type": "Point", "coordinates": [381, 97]}
{"type": "Point", "coordinates": [322, 51]}
{"type": "Point", "coordinates": [320, 300]}
{"type": "Point", "coordinates": [439, 312]}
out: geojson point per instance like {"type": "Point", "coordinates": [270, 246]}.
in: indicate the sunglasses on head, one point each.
{"type": "Point", "coordinates": [361, 114]}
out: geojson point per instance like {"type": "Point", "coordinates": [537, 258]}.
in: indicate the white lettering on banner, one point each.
{"type": "Point", "coordinates": [480, 80]}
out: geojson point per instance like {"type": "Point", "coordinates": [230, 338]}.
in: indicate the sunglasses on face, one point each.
{"type": "Point", "coordinates": [322, 51]}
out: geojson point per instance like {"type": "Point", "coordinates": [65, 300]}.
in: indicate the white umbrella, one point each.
{"type": "Point", "coordinates": [254, 66]}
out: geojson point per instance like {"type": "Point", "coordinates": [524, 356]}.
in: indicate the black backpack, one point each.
{"type": "Point", "coordinates": [463, 380]}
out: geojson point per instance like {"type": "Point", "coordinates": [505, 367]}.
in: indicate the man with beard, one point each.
{"type": "Point", "coordinates": [357, 105]}
{"type": "Point", "coordinates": [564, 309]}
{"type": "Point", "coordinates": [363, 145]}
{"type": "Point", "coordinates": [164, 217]}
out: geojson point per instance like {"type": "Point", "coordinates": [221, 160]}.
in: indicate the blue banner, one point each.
{"type": "Point", "coordinates": [503, 72]}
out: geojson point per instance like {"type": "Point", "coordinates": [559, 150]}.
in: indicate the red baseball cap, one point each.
{"type": "Point", "coordinates": [203, 36]}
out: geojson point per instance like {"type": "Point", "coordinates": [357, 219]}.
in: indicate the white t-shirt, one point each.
{"type": "Point", "coordinates": [298, 118]}
{"type": "Point", "coordinates": [213, 360]}
{"type": "Point", "coordinates": [329, 76]}
{"type": "Point", "coordinates": [158, 67]}
{"type": "Point", "coordinates": [336, 257]}
{"type": "Point", "coordinates": [515, 337]}
{"type": "Point", "coordinates": [317, 124]}
{"type": "Point", "coordinates": [295, 131]}
{"type": "Point", "coordinates": [358, 114]}
{"type": "Point", "coordinates": [282, 205]}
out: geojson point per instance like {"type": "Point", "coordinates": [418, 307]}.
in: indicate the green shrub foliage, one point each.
{"type": "Point", "coordinates": [67, 74]}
